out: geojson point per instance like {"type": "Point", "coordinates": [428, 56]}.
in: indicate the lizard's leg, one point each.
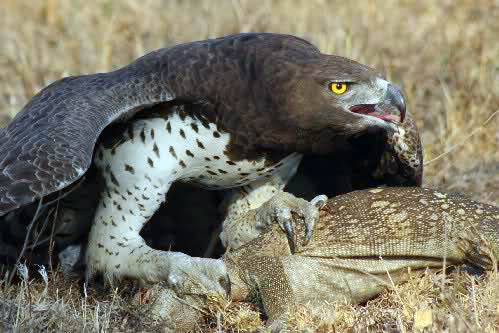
{"type": "Point", "coordinates": [181, 313]}
{"type": "Point", "coordinates": [253, 208]}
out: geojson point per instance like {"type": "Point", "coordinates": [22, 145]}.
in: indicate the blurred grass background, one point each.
{"type": "Point", "coordinates": [444, 53]}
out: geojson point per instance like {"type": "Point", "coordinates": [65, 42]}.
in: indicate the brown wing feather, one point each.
{"type": "Point", "coordinates": [49, 144]}
{"type": "Point", "coordinates": [247, 77]}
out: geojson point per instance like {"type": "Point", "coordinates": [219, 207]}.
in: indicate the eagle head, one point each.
{"type": "Point", "coordinates": [310, 102]}
{"type": "Point", "coordinates": [334, 98]}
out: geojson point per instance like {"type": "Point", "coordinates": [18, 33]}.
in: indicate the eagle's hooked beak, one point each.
{"type": "Point", "coordinates": [391, 108]}
{"type": "Point", "coordinates": [394, 97]}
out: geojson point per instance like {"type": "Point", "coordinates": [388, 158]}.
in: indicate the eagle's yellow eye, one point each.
{"type": "Point", "coordinates": [339, 87]}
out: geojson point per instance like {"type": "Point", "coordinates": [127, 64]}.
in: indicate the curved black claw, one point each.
{"type": "Point", "coordinates": [283, 217]}
{"type": "Point", "coordinates": [284, 205]}
{"type": "Point", "coordinates": [318, 202]}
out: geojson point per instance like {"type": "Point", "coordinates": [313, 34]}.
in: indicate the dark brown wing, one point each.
{"type": "Point", "coordinates": [49, 144]}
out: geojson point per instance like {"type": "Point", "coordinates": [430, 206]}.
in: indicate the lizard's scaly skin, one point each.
{"type": "Point", "coordinates": [361, 237]}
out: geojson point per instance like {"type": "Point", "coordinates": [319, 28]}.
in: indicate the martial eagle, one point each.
{"type": "Point", "coordinates": [236, 112]}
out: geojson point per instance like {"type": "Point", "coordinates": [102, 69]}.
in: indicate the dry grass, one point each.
{"type": "Point", "coordinates": [428, 302]}
{"type": "Point", "coordinates": [54, 304]}
{"type": "Point", "coordinates": [444, 53]}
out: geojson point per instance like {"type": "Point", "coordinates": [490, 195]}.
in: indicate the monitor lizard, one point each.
{"type": "Point", "coordinates": [364, 241]}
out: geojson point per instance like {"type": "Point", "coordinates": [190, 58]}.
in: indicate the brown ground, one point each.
{"type": "Point", "coordinates": [444, 53]}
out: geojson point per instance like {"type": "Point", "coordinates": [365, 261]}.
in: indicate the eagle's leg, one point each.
{"type": "Point", "coordinates": [136, 181]}
{"type": "Point", "coordinates": [116, 248]}
{"type": "Point", "coordinates": [251, 209]}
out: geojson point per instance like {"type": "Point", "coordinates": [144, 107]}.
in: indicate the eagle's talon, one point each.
{"type": "Point", "coordinates": [319, 201]}
{"type": "Point", "coordinates": [198, 276]}
{"type": "Point", "coordinates": [281, 209]}
{"type": "Point", "coordinates": [288, 228]}
{"type": "Point", "coordinates": [283, 218]}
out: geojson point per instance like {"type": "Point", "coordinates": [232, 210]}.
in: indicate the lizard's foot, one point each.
{"type": "Point", "coordinates": [286, 210]}
{"type": "Point", "coordinates": [178, 313]}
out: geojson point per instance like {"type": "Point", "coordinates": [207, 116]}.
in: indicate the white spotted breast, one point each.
{"type": "Point", "coordinates": [176, 148]}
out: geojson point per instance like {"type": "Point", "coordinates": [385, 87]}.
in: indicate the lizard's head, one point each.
{"type": "Point", "coordinates": [401, 163]}
{"type": "Point", "coordinates": [393, 158]}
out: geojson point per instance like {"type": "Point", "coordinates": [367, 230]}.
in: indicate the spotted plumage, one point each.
{"type": "Point", "coordinates": [185, 162]}
{"type": "Point", "coordinates": [223, 113]}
